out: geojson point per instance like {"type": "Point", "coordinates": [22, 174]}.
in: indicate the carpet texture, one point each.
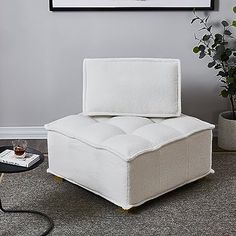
{"type": "Point", "coordinates": [205, 207]}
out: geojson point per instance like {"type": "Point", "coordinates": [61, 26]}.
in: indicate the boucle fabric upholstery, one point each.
{"type": "Point", "coordinates": [143, 147]}
{"type": "Point", "coordinates": [129, 160]}
{"type": "Point", "coordinates": [125, 136]}
{"type": "Point", "coordinates": [148, 87]}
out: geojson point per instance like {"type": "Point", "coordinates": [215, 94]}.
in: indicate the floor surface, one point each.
{"type": "Point", "coordinates": [205, 207]}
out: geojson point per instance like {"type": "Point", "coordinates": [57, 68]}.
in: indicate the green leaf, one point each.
{"type": "Point", "coordinates": [220, 49]}
{"type": "Point", "coordinates": [232, 72]}
{"type": "Point", "coordinates": [206, 37]}
{"type": "Point", "coordinates": [218, 66]}
{"type": "Point", "coordinates": [234, 23]}
{"type": "Point", "coordinates": [214, 45]}
{"type": "Point", "coordinates": [224, 93]}
{"type": "Point", "coordinates": [230, 80]}
{"type": "Point", "coordinates": [209, 51]}
{"type": "Point", "coordinates": [201, 48]}
{"type": "Point", "coordinates": [218, 39]}
{"type": "Point", "coordinates": [211, 64]}
{"type": "Point", "coordinates": [218, 36]}
{"type": "Point", "coordinates": [216, 57]}
{"type": "Point", "coordinates": [228, 52]}
{"type": "Point", "coordinates": [234, 9]}
{"type": "Point", "coordinates": [224, 57]}
{"type": "Point", "coordinates": [227, 32]}
{"type": "Point", "coordinates": [196, 49]}
{"type": "Point", "coordinates": [225, 23]}
{"type": "Point", "coordinates": [221, 73]}
{"type": "Point", "coordinates": [202, 54]}
{"type": "Point", "coordinates": [231, 89]}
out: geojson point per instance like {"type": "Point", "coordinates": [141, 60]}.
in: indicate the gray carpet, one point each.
{"type": "Point", "coordinates": [205, 207]}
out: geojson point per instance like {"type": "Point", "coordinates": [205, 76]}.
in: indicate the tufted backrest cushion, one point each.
{"type": "Point", "coordinates": [148, 87]}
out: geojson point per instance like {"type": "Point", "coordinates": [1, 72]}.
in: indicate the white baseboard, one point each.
{"type": "Point", "coordinates": [34, 132]}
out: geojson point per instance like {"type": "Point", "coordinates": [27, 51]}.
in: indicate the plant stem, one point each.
{"type": "Point", "coordinates": [232, 105]}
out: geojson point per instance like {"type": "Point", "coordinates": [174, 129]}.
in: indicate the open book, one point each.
{"type": "Point", "coordinates": [8, 157]}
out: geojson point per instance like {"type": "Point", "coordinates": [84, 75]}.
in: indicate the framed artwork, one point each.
{"type": "Point", "coordinates": [76, 5]}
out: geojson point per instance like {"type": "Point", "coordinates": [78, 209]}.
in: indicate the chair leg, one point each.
{"type": "Point", "coordinates": [58, 179]}
{"type": "Point", "coordinates": [124, 210]}
{"type": "Point", "coordinates": [1, 177]}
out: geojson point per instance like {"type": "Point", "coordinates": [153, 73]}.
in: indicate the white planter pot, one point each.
{"type": "Point", "coordinates": [226, 131]}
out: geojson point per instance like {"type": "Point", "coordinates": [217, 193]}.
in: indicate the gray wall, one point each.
{"type": "Point", "coordinates": [41, 56]}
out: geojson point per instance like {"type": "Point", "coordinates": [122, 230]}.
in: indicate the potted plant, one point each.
{"type": "Point", "coordinates": [218, 45]}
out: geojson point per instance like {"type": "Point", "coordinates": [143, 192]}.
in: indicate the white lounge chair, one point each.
{"type": "Point", "coordinates": [131, 143]}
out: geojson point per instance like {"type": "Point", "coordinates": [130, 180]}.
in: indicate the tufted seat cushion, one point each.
{"type": "Point", "coordinates": [129, 160]}
{"type": "Point", "coordinates": [127, 136]}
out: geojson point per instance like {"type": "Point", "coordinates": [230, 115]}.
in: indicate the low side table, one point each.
{"type": "Point", "coordinates": [6, 168]}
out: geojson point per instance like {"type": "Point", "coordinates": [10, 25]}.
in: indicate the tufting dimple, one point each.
{"type": "Point", "coordinates": [129, 124]}
{"type": "Point", "coordinates": [70, 125]}
{"type": "Point", "coordinates": [98, 132]}
{"type": "Point", "coordinates": [157, 134]}
{"type": "Point", "coordinates": [128, 136]}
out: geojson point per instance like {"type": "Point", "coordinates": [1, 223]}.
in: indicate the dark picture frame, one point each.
{"type": "Point", "coordinates": [137, 6]}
